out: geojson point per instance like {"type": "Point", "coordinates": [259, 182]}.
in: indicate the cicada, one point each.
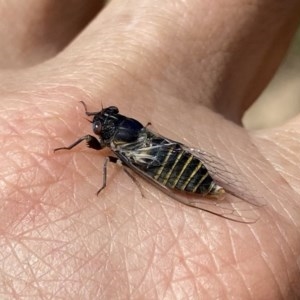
{"type": "Point", "coordinates": [193, 177]}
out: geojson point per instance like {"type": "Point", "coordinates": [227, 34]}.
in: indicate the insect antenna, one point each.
{"type": "Point", "coordinates": [88, 113]}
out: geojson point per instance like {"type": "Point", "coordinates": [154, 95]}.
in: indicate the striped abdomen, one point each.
{"type": "Point", "coordinates": [179, 169]}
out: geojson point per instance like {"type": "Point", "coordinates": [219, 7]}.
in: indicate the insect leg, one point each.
{"type": "Point", "coordinates": [116, 160]}
{"type": "Point", "coordinates": [135, 181]}
{"type": "Point", "coordinates": [104, 171]}
{"type": "Point", "coordinates": [91, 141]}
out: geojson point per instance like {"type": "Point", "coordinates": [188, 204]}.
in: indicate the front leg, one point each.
{"type": "Point", "coordinates": [104, 171]}
{"type": "Point", "coordinates": [91, 141]}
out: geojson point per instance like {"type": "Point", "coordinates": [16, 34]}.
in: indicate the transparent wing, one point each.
{"type": "Point", "coordinates": [225, 175]}
{"type": "Point", "coordinates": [229, 207]}
{"type": "Point", "coordinates": [233, 207]}
{"type": "Point", "coordinates": [228, 177]}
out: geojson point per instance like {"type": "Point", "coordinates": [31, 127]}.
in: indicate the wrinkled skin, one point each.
{"type": "Point", "coordinates": [184, 66]}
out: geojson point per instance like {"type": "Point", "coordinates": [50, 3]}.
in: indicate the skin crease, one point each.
{"type": "Point", "coordinates": [184, 66]}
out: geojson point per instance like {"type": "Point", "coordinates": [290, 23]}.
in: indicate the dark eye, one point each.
{"type": "Point", "coordinates": [97, 127]}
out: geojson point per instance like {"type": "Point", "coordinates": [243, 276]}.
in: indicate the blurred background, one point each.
{"type": "Point", "coordinates": [281, 99]}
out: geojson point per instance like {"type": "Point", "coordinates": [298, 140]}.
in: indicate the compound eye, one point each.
{"type": "Point", "coordinates": [97, 127]}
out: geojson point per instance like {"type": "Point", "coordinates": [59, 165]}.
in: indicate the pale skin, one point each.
{"type": "Point", "coordinates": [183, 66]}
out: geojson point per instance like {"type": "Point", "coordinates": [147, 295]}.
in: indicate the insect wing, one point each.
{"type": "Point", "coordinates": [232, 208]}
{"type": "Point", "coordinates": [228, 177]}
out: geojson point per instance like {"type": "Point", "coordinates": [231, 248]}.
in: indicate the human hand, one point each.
{"type": "Point", "coordinates": [176, 64]}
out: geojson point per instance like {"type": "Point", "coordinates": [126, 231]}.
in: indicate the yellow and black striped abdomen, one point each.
{"type": "Point", "coordinates": [181, 170]}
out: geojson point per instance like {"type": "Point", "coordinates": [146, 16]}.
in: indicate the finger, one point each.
{"type": "Point", "coordinates": [220, 71]}
{"type": "Point", "coordinates": [281, 147]}
{"type": "Point", "coordinates": [222, 59]}
{"type": "Point", "coordinates": [33, 31]}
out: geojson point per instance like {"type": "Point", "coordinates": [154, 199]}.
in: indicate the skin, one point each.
{"type": "Point", "coordinates": [189, 67]}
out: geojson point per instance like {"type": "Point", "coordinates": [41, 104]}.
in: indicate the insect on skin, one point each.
{"type": "Point", "coordinates": [175, 168]}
